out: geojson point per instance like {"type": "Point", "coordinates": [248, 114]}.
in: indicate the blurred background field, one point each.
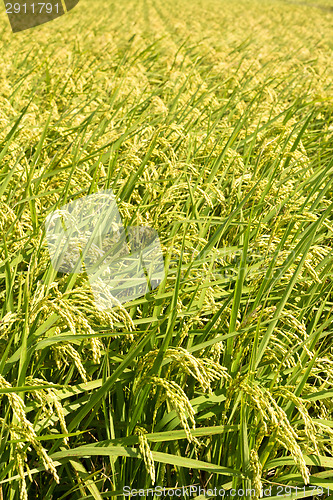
{"type": "Point", "coordinates": [212, 123]}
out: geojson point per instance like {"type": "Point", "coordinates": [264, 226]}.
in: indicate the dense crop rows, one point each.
{"type": "Point", "coordinates": [212, 123]}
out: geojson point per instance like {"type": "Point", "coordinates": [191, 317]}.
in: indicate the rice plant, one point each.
{"type": "Point", "coordinates": [212, 124]}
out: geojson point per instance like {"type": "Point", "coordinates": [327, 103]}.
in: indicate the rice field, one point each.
{"type": "Point", "coordinates": [212, 123]}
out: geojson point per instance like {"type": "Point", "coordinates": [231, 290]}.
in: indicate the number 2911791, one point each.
{"type": "Point", "coordinates": [32, 8]}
